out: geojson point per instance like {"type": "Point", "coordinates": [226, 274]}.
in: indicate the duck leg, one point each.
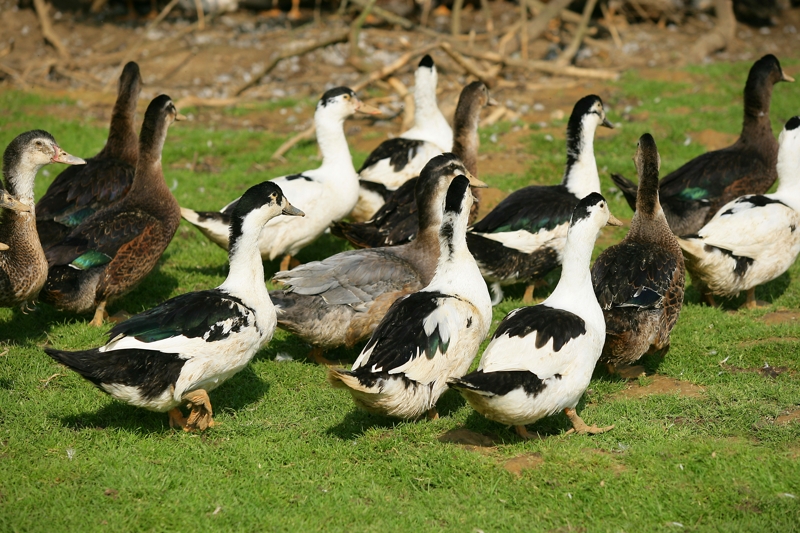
{"type": "Point", "coordinates": [709, 298]}
{"type": "Point", "coordinates": [523, 432]}
{"type": "Point", "coordinates": [201, 416]}
{"type": "Point", "coordinates": [288, 262]}
{"type": "Point", "coordinates": [433, 414]}
{"type": "Point", "coordinates": [176, 418]}
{"type": "Point", "coordinates": [316, 355]}
{"type": "Point", "coordinates": [99, 315]}
{"type": "Point", "coordinates": [579, 427]}
{"type": "Point", "coordinates": [750, 301]}
{"type": "Point", "coordinates": [294, 13]}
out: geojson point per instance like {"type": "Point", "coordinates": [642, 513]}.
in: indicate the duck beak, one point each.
{"type": "Point", "coordinates": [607, 123]}
{"type": "Point", "coordinates": [292, 211]}
{"type": "Point", "coordinates": [613, 221]}
{"type": "Point", "coordinates": [475, 182]}
{"type": "Point", "coordinates": [786, 77]}
{"type": "Point", "coordinates": [491, 101]}
{"type": "Point", "coordinates": [3, 247]}
{"type": "Point", "coordinates": [9, 202]}
{"type": "Point", "coordinates": [63, 157]}
{"type": "Point", "coordinates": [180, 116]}
{"type": "Point", "coordinates": [368, 109]}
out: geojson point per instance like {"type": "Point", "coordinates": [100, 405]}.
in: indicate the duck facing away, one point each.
{"type": "Point", "coordinates": [753, 239]}
{"type": "Point", "coordinates": [397, 160]}
{"type": "Point", "coordinates": [427, 337]}
{"type": "Point", "coordinates": [639, 282]}
{"type": "Point", "coordinates": [541, 358]}
{"type": "Point", "coordinates": [693, 193]}
{"type": "Point", "coordinates": [327, 193]}
{"type": "Point", "coordinates": [81, 191]}
{"type": "Point", "coordinates": [395, 222]}
{"type": "Point", "coordinates": [523, 238]}
{"type": "Point", "coordinates": [113, 250]}
{"type": "Point", "coordinates": [23, 266]}
{"type": "Point", "coordinates": [187, 346]}
{"type": "Point", "coordinates": [340, 300]}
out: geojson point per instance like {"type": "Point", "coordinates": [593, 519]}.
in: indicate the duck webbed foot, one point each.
{"type": "Point", "coordinates": [99, 315]}
{"type": "Point", "coordinates": [176, 419]}
{"type": "Point", "coordinates": [201, 415]}
{"type": "Point", "coordinates": [750, 301]}
{"type": "Point", "coordinates": [579, 427]}
{"type": "Point", "coordinates": [433, 414]}
{"type": "Point", "coordinates": [316, 355]}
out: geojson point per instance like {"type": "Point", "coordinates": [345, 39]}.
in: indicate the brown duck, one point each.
{"type": "Point", "coordinates": [113, 250]}
{"type": "Point", "coordinates": [23, 267]}
{"type": "Point", "coordinates": [692, 194]}
{"type": "Point", "coordinates": [79, 192]}
{"type": "Point", "coordinates": [639, 282]}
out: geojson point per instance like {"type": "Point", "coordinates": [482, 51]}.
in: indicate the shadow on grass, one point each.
{"type": "Point", "coordinates": [243, 389]}
{"type": "Point", "coordinates": [769, 292]}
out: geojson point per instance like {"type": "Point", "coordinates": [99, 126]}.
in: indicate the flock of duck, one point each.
{"type": "Point", "coordinates": [415, 288]}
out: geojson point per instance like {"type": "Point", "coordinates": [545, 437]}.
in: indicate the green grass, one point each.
{"type": "Point", "coordinates": [292, 454]}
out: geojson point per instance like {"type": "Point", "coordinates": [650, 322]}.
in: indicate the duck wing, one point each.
{"type": "Point", "coordinates": [531, 209]}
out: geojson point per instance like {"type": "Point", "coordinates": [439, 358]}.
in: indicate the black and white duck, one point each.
{"type": "Point", "coordinates": [395, 222]}
{"type": "Point", "coordinates": [189, 345]}
{"type": "Point", "coordinates": [327, 193]}
{"type": "Point", "coordinates": [541, 358]}
{"type": "Point", "coordinates": [692, 194]}
{"type": "Point", "coordinates": [639, 282]}
{"type": "Point", "coordinates": [753, 239]}
{"type": "Point", "coordinates": [429, 336]}
{"type": "Point", "coordinates": [81, 191]}
{"type": "Point", "coordinates": [23, 266]}
{"type": "Point", "coordinates": [340, 300]}
{"type": "Point", "coordinates": [523, 238]}
{"type": "Point", "coordinates": [397, 160]}
{"type": "Point", "coordinates": [113, 250]}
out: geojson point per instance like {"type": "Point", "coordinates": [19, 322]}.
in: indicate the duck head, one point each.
{"type": "Point", "coordinates": [160, 114]}
{"type": "Point", "coordinates": [257, 206]}
{"type": "Point", "coordinates": [433, 184]}
{"type": "Point", "coordinates": [25, 155]}
{"type": "Point", "coordinates": [789, 155]}
{"type": "Point", "coordinates": [342, 102]}
{"type": "Point", "coordinates": [591, 214]}
{"type": "Point", "coordinates": [426, 77]}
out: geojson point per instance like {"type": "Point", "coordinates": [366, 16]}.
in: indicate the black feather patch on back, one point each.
{"type": "Point", "coordinates": [292, 177]}
{"type": "Point", "coordinates": [501, 383]}
{"type": "Point", "coordinates": [378, 188]}
{"type": "Point", "coordinates": [742, 263]}
{"type": "Point", "coordinates": [531, 209]}
{"type": "Point", "coordinates": [426, 61]}
{"type": "Point", "coordinates": [756, 200]}
{"type": "Point", "coordinates": [212, 315]}
{"type": "Point", "coordinates": [151, 372]}
{"type": "Point", "coordinates": [792, 124]}
{"type": "Point", "coordinates": [548, 323]}
{"type": "Point", "coordinates": [398, 151]}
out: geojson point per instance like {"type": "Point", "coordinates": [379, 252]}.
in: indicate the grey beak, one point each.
{"type": "Point", "coordinates": [292, 211]}
{"type": "Point", "coordinates": [607, 123]}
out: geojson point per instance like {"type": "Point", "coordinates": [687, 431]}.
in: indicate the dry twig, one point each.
{"type": "Point", "coordinates": [487, 77]}
{"type": "Point", "coordinates": [569, 52]}
{"type": "Point", "coordinates": [723, 33]}
{"type": "Point", "coordinates": [48, 32]}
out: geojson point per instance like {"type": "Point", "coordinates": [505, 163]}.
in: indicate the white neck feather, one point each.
{"type": "Point", "coordinates": [429, 122]}
{"type": "Point", "coordinates": [581, 178]}
{"type": "Point", "coordinates": [246, 275]}
{"type": "Point", "coordinates": [333, 143]}
{"type": "Point", "coordinates": [789, 166]}
{"type": "Point", "coordinates": [21, 179]}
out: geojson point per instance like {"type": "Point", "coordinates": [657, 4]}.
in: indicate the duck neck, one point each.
{"type": "Point", "coordinates": [122, 142]}
{"type": "Point", "coordinates": [576, 278]}
{"type": "Point", "coordinates": [466, 141]}
{"type": "Point", "coordinates": [757, 98]}
{"type": "Point", "coordinates": [246, 271]}
{"type": "Point", "coordinates": [149, 174]}
{"type": "Point", "coordinates": [333, 143]}
{"type": "Point", "coordinates": [19, 179]}
{"type": "Point", "coordinates": [580, 176]}
{"type": "Point", "coordinates": [789, 172]}
{"type": "Point", "coordinates": [648, 207]}
{"type": "Point", "coordinates": [452, 251]}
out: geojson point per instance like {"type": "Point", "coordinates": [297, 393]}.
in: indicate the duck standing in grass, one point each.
{"type": "Point", "coordinates": [753, 239]}
{"type": "Point", "coordinates": [523, 238]}
{"type": "Point", "coordinates": [327, 193]}
{"type": "Point", "coordinates": [190, 344]}
{"type": "Point", "coordinates": [541, 358]}
{"type": "Point", "coordinates": [80, 191]}
{"type": "Point", "coordinates": [693, 193]}
{"type": "Point", "coordinates": [639, 282]}
{"type": "Point", "coordinates": [110, 252]}
{"type": "Point", "coordinates": [340, 300]}
{"type": "Point", "coordinates": [23, 266]}
{"type": "Point", "coordinates": [395, 222]}
{"type": "Point", "coordinates": [427, 337]}
{"type": "Point", "coordinates": [397, 160]}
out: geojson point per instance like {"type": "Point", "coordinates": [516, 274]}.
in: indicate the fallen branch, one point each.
{"type": "Point", "coordinates": [196, 101]}
{"type": "Point", "coordinates": [304, 135]}
{"type": "Point", "coordinates": [547, 67]}
{"type": "Point", "coordinates": [722, 35]}
{"type": "Point", "coordinates": [48, 32]}
{"type": "Point", "coordinates": [340, 37]}
{"type": "Point", "coordinates": [487, 77]}
{"type": "Point", "coordinates": [14, 74]}
{"type": "Point", "coordinates": [608, 21]}
{"type": "Point", "coordinates": [408, 101]}
{"type": "Point", "coordinates": [569, 52]}
{"type": "Point", "coordinates": [355, 27]}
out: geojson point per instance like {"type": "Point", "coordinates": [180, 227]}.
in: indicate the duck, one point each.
{"type": "Point", "coordinates": [328, 193]}
{"type": "Point", "coordinates": [340, 300]}
{"type": "Point", "coordinates": [522, 239]}
{"type": "Point", "coordinates": [187, 346]}
{"type": "Point", "coordinates": [23, 266]}
{"type": "Point", "coordinates": [753, 239]}
{"type": "Point", "coordinates": [395, 222]}
{"type": "Point", "coordinates": [639, 282]}
{"type": "Point", "coordinates": [541, 358]}
{"type": "Point", "coordinates": [692, 194]}
{"type": "Point", "coordinates": [397, 160]}
{"type": "Point", "coordinates": [80, 191]}
{"type": "Point", "coordinates": [430, 336]}
{"type": "Point", "coordinates": [112, 251]}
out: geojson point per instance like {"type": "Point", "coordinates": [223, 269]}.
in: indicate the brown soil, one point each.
{"type": "Point", "coordinates": [793, 415]}
{"type": "Point", "coordinates": [713, 140]}
{"type": "Point", "coordinates": [528, 461]}
{"type": "Point", "coordinates": [658, 384]}
{"type": "Point", "coordinates": [780, 317]}
{"type": "Point", "coordinates": [470, 440]}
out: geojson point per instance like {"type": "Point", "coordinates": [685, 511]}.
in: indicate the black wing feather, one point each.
{"type": "Point", "coordinates": [398, 151]}
{"type": "Point", "coordinates": [548, 323]}
{"type": "Point", "coordinates": [531, 208]}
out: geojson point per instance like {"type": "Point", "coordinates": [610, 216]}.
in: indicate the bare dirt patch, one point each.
{"type": "Point", "coordinates": [713, 140]}
{"type": "Point", "coordinates": [657, 384]}
{"type": "Point", "coordinates": [793, 415]}
{"type": "Point", "coordinates": [528, 461]}
{"type": "Point", "coordinates": [781, 317]}
{"type": "Point", "coordinates": [470, 440]}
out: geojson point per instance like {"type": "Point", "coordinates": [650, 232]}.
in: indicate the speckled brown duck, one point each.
{"type": "Point", "coordinates": [23, 267]}
{"type": "Point", "coordinates": [396, 221]}
{"type": "Point", "coordinates": [639, 282]}
{"type": "Point", "coordinates": [78, 192]}
{"type": "Point", "coordinates": [692, 194]}
{"type": "Point", "coordinates": [113, 250]}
